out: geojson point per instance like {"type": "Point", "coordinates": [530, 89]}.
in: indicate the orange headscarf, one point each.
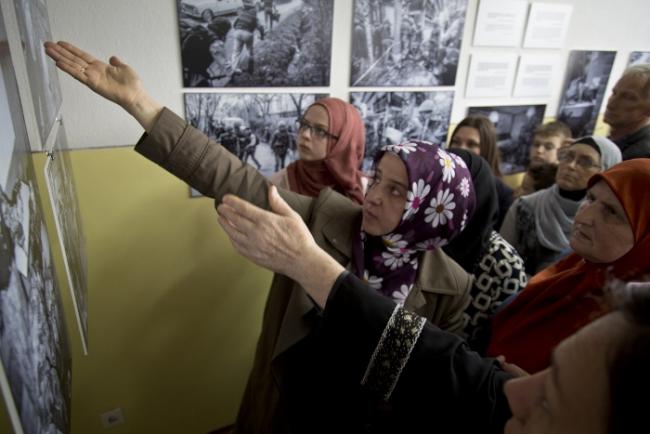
{"type": "Point", "coordinates": [340, 167]}
{"type": "Point", "coordinates": [566, 296]}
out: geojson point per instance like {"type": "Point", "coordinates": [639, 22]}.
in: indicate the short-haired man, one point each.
{"type": "Point", "coordinates": [547, 140]}
{"type": "Point", "coordinates": [628, 112]}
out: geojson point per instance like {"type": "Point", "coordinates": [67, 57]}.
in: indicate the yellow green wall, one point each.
{"type": "Point", "coordinates": [174, 313]}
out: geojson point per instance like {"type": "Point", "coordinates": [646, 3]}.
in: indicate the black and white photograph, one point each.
{"type": "Point", "coordinates": [36, 368]}
{"type": "Point", "coordinates": [260, 129]}
{"type": "Point", "coordinates": [395, 117]}
{"type": "Point", "coordinates": [639, 57]}
{"type": "Point", "coordinates": [584, 88]}
{"type": "Point", "coordinates": [59, 179]}
{"type": "Point", "coordinates": [406, 43]}
{"type": "Point", "coordinates": [34, 26]}
{"type": "Point", "coordinates": [255, 43]}
{"type": "Point", "coordinates": [515, 126]}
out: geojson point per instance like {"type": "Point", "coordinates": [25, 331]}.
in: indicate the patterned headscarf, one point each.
{"type": "Point", "coordinates": [439, 203]}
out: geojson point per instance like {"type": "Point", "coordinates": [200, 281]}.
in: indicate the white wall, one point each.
{"type": "Point", "coordinates": [144, 33]}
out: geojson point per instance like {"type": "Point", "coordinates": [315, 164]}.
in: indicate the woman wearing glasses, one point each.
{"type": "Point", "coordinates": [331, 143]}
{"type": "Point", "coordinates": [420, 198]}
{"type": "Point", "coordinates": [539, 225]}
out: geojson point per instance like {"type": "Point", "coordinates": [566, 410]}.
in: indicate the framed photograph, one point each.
{"type": "Point", "coordinates": [639, 57]}
{"type": "Point", "coordinates": [255, 43]}
{"type": "Point", "coordinates": [67, 218]}
{"type": "Point", "coordinates": [515, 127]}
{"type": "Point", "coordinates": [258, 128]}
{"type": "Point", "coordinates": [396, 117]}
{"type": "Point", "coordinates": [34, 26]}
{"type": "Point", "coordinates": [35, 368]}
{"type": "Point", "coordinates": [406, 43]}
{"type": "Point", "coordinates": [584, 88]}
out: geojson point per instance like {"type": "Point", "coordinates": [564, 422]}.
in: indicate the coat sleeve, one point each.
{"type": "Point", "coordinates": [509, 227]}
{"type": "Point", "coordinates": [431, 379]}
{"type": "Point", "coordinates": [190, 155]}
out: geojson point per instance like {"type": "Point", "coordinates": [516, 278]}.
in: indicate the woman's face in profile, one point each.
{"type": "Point", "coordinates": [601, 232]}
{"type": "Point", "coordinates": [384, 204]}
{"type": "Point", "coordinates": [572, 395]}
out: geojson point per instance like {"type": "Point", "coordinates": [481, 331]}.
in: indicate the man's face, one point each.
{"type": "Point", "coordinates": [628, 105]}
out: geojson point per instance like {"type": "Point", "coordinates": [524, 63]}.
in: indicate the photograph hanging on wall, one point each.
{"type": "Point", "coordinates": [260, 129]}
{"type": "Point", "coordinates": [34, 26]}
{"type": "Point", "coordinates": [35, 368]}
{"type": "Point", "coordinates": [406, 43]}
{"type": "Point", "coordinates": [515, 126]}
{"type": "Point", "coordinates": [67, 218]}
{"type": "Point", "coordinates": [255, 43]}
{"type": "Point", "coordinates": [639, 57]}
{"type": "Point", "coordinates": [584, 88]}
{"type": "Point", "coordinates": [395, 117]}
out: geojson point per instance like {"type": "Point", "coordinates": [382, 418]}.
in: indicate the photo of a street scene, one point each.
{"type": "Point", "coordinates": [260, 43]}
{"type": "Point", "coordinates": [258, 128]}
{"type": "Point", "coordinates": [406, 42]}
{"type": "Point", "coordinates": [515, 127]}
{"type": "Point", "coordinates": [394, 117]}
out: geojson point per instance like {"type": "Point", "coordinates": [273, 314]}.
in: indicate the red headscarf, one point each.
{"type": "Point", "coordinates": [566, 296]}
{"type": "Point", "coordinates": [340, 167]}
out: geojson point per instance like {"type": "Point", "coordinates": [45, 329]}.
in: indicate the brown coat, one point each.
{"type": "Point", "coordinates": [440, 292]}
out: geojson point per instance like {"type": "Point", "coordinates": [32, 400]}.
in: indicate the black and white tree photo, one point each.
{"type": "Point", "coordinates": [255, 43]}
{"type": "Point", "coordinates": [584, 88]}
{"type": "Point", "coordinates": [406, 42]}
{"type": "Point", "coordinates": [260, 129]}
{"type": "Point", "coordinates": [395, 117]}
{"type": "Point", "coordinates": [515, 127]}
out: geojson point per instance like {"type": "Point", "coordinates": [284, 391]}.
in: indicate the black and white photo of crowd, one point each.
{"type": "Point", "coordinates": [515, 127]}
{"type": "Point", "coordinates": [258, 128]}
{"type": "Point", "coordinates": [639, 57]}
{"type": "Point", "coordinates": [34, 28]}
{"type": "Point", "coordinates": [394, 117]}
{"type": "Point", "coordinates": [584, 88]}
{"type": "Point", "coordinates": [65, 206]}
{"type": "Point", "coordinates": [261, 43]}
{"type": "Point", "coordinates": [33, 343]}
{"type": "Point", "coordinates": [406, 42]}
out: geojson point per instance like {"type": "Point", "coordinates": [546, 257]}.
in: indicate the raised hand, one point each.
{"type": "Point", "coordinates": [115, 81]}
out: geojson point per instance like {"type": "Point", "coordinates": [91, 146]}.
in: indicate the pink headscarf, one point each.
{"type": "Point", "coordinates": [340, 167]}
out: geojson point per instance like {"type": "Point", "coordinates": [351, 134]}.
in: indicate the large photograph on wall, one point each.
{"type": "Point", "coordinates": [406, 42]}
{"type": "Point", "coordinates": [639, 57]}
{"type": "Point", "coordinates": [395, 117]}
{"type": "Point", "coordinates": [256, 43]}
{"type": "Point", "coordinates": [584, 88]}
{"type": "Point", "coordinates": [34, 28]}
{"type": "Point", "coordinates": [35, 375]}
{"type": "Point", "coordinates": [67, 218]}
{"type": "Point", "coordinates": [515, 126]}
{"type": "Point", "coordinates": [260, 129]}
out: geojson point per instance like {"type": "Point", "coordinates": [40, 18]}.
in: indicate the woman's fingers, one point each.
{"type": "Point", "coordinates": [73, 69]}
{"type": "Point", "coordinates": [77, 52]}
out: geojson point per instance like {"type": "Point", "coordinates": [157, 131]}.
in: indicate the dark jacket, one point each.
{"type": "Point", "coordinates": [635, 145]}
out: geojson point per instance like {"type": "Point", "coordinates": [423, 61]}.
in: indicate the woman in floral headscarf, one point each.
{"type": "Point", "coordinates": [420, 197]}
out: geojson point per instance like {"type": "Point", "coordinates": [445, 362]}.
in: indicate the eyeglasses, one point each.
{"type": "Point", "coordinates": [582, 161]}
{"type": "Point", "coordinates": [315, 131]}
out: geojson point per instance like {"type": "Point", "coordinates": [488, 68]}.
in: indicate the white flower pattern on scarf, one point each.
{"type": "Point", "coordinates": [464, 187]}
{"type": "Point", "coordinates": [396, 258]}
{"type": "Point", "coordinates": [373, 281]}
{"type": "Point", "coordinates": [448, 167]}
{"type": "Point", "coordinates": [415, 198]}
{"type": "Point", "coordinates": [400, 296]}
{"type": "Point", "coordinates": [441, 208]}
{"type": "Point", "coordinates": [405, 148]}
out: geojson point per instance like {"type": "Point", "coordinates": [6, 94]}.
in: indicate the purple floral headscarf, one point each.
{"type": "Point", "coordinates": [439, 203]}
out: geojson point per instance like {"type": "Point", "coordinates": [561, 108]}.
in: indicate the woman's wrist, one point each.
{"type": "Point", "coordinates": [145, 110]}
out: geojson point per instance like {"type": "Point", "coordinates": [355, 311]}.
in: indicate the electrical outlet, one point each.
{"type": "Point", "coordinates": [112, 418]}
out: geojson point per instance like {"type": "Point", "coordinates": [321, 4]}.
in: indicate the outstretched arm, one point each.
{"type": "Point", "coordinates": [115, 81]}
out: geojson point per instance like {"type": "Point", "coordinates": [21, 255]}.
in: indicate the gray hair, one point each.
{"type": "Point", "coordinates": [642, 69]}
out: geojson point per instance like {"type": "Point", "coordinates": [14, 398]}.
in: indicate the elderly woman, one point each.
{"type": "Point", "coordinates": [330, 143]}
{"type": "Point", "coordinates": [538, 225]}
{"type": "Point", "coordinates": [377, 351]}
{"type": "Point", "coordinates": [420, 198]}
{"type": "Point", "coordinates": [610, 238]}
